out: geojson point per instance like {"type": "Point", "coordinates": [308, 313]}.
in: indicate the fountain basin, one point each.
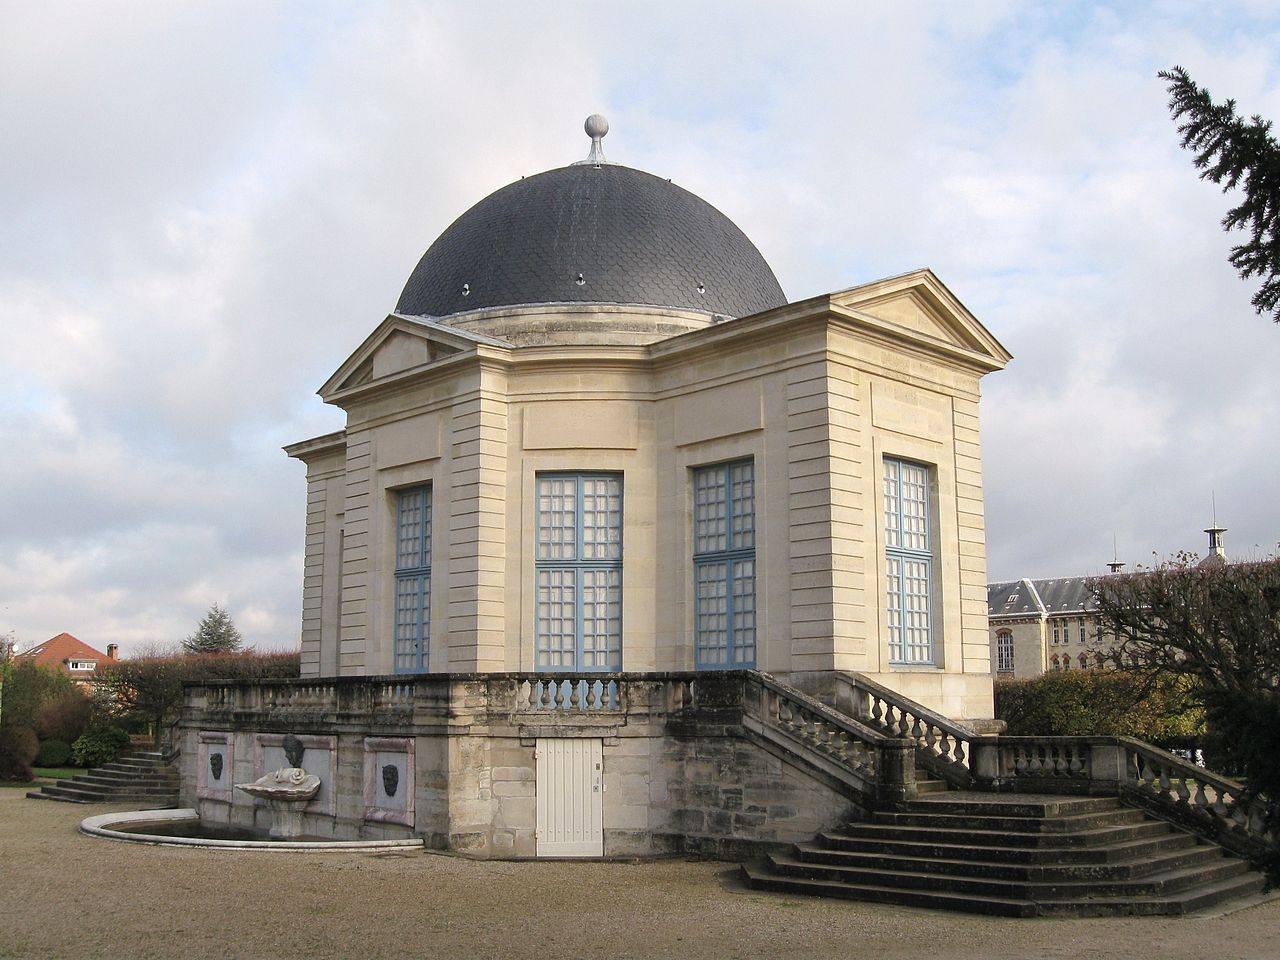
{"type": "Point", "coordinates": [135, 826]}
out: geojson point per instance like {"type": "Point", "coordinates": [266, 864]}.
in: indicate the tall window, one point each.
{"type": "Point", "coordinates": [579, 572]}
{"type": "Point", "coordinates": [1004, 652]}
{"type": "Point", "coordinates": [413, 579]}
{"type": "Point", "coordinates": [908, 561]}
{"type": "Point", "coordinates": [724, 565]}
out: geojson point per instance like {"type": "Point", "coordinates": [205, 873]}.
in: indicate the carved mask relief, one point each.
{"type": "Point", "coordinates": [390, 779]}
{"type": "Point", "coordinates": [215, 765]}
{"type": "Point", "coordinates": [293, 750]}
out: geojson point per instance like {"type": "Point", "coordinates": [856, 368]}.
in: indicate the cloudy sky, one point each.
{"type": "Point", "coordinates": [205, 207]}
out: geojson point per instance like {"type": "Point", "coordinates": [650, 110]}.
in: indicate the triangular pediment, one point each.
{"type": "Point", "coordinates": [400, 345]}
{"type": "Point", "coordinates": [920, 307]}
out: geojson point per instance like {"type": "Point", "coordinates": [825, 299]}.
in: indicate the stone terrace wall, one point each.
{"type": "Point", "coordinates": [680, 771]}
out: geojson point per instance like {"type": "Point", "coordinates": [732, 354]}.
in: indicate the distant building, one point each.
{"type": "Point", "coordinates": [1041, 625]}
{"type": "Point", "coordinates": [71, 656]}
{"type": "Point", "coordinates": [1037, 626]}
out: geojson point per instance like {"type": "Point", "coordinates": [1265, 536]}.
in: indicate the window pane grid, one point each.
{"type": "Point", "coordinates": [724, 565]}
{"type": "Point", "coordinates": [710, 527]}
{"type": "Point", "coordinates": [908, 563]}
{"type": "Point", "coordinates": [1004, 652]}
{"type": "Point", "coordinates": [412, 630]}
{"type": "Point", "coordinates": [579, 575]}
{"type": "Point", "coordinates": [557, 614]}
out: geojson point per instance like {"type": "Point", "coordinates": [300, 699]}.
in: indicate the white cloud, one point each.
{"type": "Point", "coordinates": [206, 207]}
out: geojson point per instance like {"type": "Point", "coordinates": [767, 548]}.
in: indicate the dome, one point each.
{"type": "Point", "coordinates": [592, 233]}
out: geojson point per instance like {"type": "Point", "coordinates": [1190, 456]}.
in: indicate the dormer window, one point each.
{"type": "Point", "coordinates": [82, 664]}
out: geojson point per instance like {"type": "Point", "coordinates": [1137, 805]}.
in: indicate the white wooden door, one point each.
{"type": "Point", "coordinates": [570, 788]}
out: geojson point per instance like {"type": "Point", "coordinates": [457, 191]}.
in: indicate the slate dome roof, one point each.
{"type": "Point", "coordinates": [592, 232]}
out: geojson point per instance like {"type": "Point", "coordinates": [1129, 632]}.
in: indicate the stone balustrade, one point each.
{"type": "Point", "coordinates": [877, 766]}
{"type": "Point", "coordinates": [439, 697]}
{"type": "Point", "coordinates": [1214, 806]}
{"type": "Point", "coordinates": [943, 746]}
{"type": "Point", "coordinates": [868, 748]}
{"type": "Point", "coordinates": [1217, 807]}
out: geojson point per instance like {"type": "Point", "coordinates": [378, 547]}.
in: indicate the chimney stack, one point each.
{"type": "Point", "coordinates": [113, 652]}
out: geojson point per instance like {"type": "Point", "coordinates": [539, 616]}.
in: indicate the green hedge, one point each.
{"type": "Point", "coordinates": [98, 745]}
{"type": "Point", "coordinates": [1084, 703]}
{"type": "Point", "coordinates": [53, 753]}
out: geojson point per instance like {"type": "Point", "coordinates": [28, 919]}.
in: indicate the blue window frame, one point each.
{"type": "Point", "coordinates": [724, 565]}
{"type": "Point", "coordinates": [579, 572]}
{"type": "Point", "coordinates": [413, 580]}
{"type": "Point", "coordinates": [908, 562]}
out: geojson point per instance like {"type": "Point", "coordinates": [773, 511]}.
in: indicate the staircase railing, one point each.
{"type": "Point", "coordinates": [1208, 803]}
{"type": "Point", "coordinates": [943, 747]}
{"type": "Point", "coordinates": [878, 766]}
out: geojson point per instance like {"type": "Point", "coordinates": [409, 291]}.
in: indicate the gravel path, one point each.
{"type": "Point", "coordinates": [63, 894]}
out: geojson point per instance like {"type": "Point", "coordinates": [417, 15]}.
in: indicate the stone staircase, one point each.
{"type": "Point", "coordinates": [1013, 855]}
{"type": "Point", "coordinates": [144, 777]}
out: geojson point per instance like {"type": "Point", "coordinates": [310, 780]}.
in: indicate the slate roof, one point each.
{"type": "Point", "coordinates": [592, 234]}
{"type": "Point", "coordinates": [1029, 598]}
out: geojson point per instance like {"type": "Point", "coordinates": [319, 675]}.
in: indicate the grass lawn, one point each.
{"type": "Point", "coordinates": [43, 773]}
{"type": "Point", "coordinates": [57, 773]}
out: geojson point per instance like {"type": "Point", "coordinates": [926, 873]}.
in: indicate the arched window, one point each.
{"type": "Point", "coordinates": [1066, 661]}
{"type": "Point", "coordinates": [1084, 661]}
{"type": "Point", "coordinates": [1057, 664]}
{"type": "Point", "coordinates": [1004, 652]}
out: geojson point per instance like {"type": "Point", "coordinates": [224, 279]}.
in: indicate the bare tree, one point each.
{"type": "Point", "coordinates": [1220, 626]}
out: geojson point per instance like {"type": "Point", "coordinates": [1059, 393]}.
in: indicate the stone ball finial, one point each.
{"type": "Point", "coordinates": [596, 126]}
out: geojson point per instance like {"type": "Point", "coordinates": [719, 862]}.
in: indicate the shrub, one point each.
{"type": "Point", "coordinates": [65, 716]}
{"type": "Point", "coordinates": [18, 748]}
{"type": "Point", "coordinates": [1084, 703]}
{"type": "Point", "coordinates": [53, 753]}
{"type": "Point", "coordinates": [27, 688]}
{"type": "Point", "coordinates": [98, 745]}
{"type": "Point", "coordinates": [149, 689]}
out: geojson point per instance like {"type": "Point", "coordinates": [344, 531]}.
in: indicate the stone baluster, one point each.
{"type": "Point", "coordinates": [877, 711]}
{"type": "Point", "coordinates": [1201, 800]}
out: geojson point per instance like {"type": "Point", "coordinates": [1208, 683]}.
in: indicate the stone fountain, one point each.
{"type": "Point", "coordinates": [287, 790]}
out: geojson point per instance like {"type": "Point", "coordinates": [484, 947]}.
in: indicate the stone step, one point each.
{"type": "Point", "coordinates": [75, 794]}
{"type": "Point", "coordinates": [1200, 897]}
{"type": "Point", "coordinates": [47, 793]}
{"type": "Point", "coordinates": [925, 787]}
{"type": "Point", "coordinates": [759, 878]}
{"type": "Point", "coordinates": [888, 844]}
{"type": "Point", "coordinates": [960, 833]}
{"type": "Point", "coordinates": [1248, 883]}
{"type": "Point", "coordinates": [120, 789]}
{"type": "Point", "coordinates": [1153, 886]}
{"type": "Point", "coordinates": [1003, 805]}
{"type": "Point", "coordinates": [1071, 823]}
{"type": "Point", "coordinates": [146, 780]}
{"type": "Point", "coordinates": [115, 779]}
{"type": "Point", "coordinates": [959, 864]}
{"type": "Point", "coordinates": [123, 766]}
